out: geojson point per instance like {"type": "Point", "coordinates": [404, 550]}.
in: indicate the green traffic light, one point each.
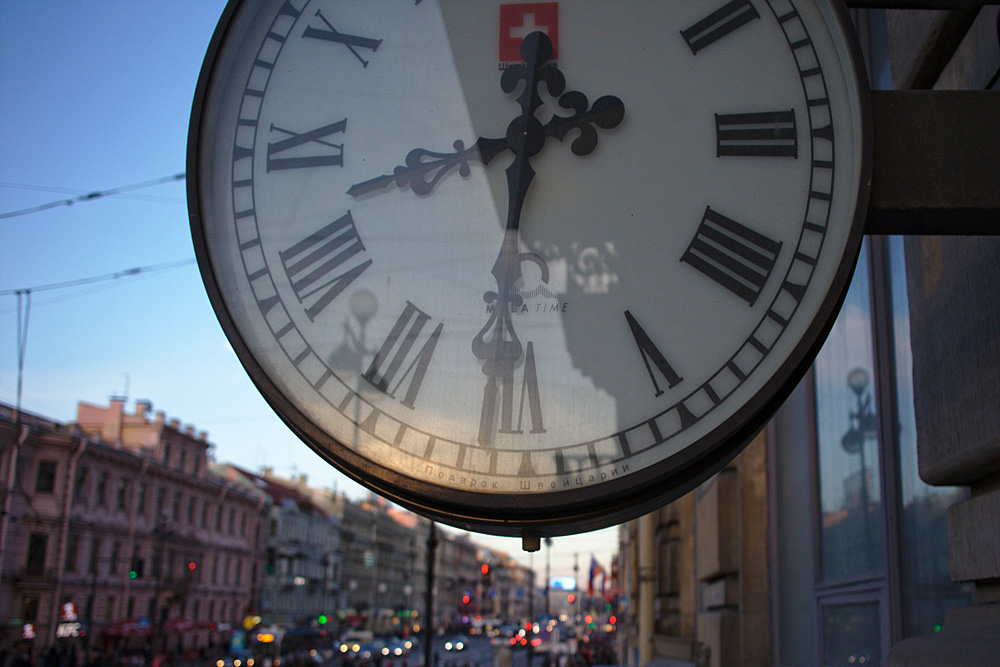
{"type": "Point", "coordinates": [322, 619]}
{"type": "Point", "coordinates": [132, 574]}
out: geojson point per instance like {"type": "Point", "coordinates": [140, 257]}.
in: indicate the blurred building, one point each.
{"type": "Point", "coordinates": [116, 526]}
{"type": "Point", "coordinates": [302, 558]}
{"type": "Point", "coordinates": [861, 526]}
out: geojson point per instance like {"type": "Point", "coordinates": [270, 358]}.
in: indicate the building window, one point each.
{"type": "Point", "coordinates": [192, 508]}
{"type": "Point", "coordinates": [95, 556]}
{"type": "Point", "coordinates": [166, 454]}
{"type": "Point", "coordinates": [161, 499]}
{"type": "Point", "coordinates": [116, 550]}
{"type": "Point", "coordinates": [232, 520]}
{"type": "Point", "coordinates": [926, 586]}
{"type": "Point", "coordinates": [177, 506]}
{"type": "Point", "coordinates": [38, 544]}
{"type": "Point", "coordinates": [45, 482]}
{"type": "Point", "coordinates": [80, 485]}
{"type": "Point", "coordinates": [72, 546]}
{"type": "Point", "coordinates": [109, 609]}
{"type": "Point", "coordinates": [122, 493]}
{"type": "Point", "coordinates": [181, 462]}
{"type": "Point", "coordinates": [852, 542]}
{"type": "Point", "coordinates": [140, 501]}
{"type": "Point", "coordinates": [29, 608]}
{"type": "Point", "coordinates": [102, 488]}
{"type": "Point", "coordinates": [130, 607]}
{"type": "Point", "coordinates": [204, 514]}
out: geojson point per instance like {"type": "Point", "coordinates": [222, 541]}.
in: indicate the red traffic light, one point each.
{"type": "Point", "coordinates": [465, 599]}
{"type": "Point", "coordinates": [485, 568]}
{"type": "Point", "coordinates": [192, 566]}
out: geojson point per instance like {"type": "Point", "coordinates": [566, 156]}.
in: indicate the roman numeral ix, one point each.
{"type": "Point", "coordinates": [294, 140]}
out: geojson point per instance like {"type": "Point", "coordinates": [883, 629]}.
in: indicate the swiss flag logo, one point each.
{"type": "Point", "coordinates": [519, 21]}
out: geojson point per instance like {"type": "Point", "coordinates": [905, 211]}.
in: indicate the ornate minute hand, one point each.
{"type": "Point", "coordinates": [497, 345]}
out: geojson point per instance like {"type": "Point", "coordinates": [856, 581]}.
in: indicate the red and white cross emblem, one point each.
{"type": "Point", "coordinates": [518, 21]}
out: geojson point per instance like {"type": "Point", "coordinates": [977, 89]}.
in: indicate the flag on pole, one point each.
{"type": "Point", "coordinates": [595, 571]}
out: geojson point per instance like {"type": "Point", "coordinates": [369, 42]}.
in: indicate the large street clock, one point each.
{"type": "Point", "coordinates": [528, 269]}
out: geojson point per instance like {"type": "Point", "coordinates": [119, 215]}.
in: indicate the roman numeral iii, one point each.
{"type": "Point", "coordinates": [313, 265]}
{"type": "Point", "coordinates": [733, 255]}
{"type": "Point", "coordinates": [399, 344]}
{"type": "Point", "coordinates": [770, 133]}
{"type": "Point", "coordinates": [718, 24]}
{"type": "Point", "coordinates": [282, 154]}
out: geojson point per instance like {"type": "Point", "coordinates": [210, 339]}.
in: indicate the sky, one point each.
{"type": "Point", "coordinates": [96, 96]}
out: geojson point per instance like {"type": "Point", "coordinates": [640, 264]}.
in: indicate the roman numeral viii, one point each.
{"type": "Point", "coordinates": [733, 255]}
{"type": "Point", "coordinates": [398, 346]}
{"type": "Point", "coordinates": [652, 355]}
{"type": "Point", "coordinates": [319, 267]}
{"type": "Point", "coordinates": [718, 24]}
{"type": "Point", "coordinates": [770, 133]}
{"type": "Point", "coordinates": [282, 154]}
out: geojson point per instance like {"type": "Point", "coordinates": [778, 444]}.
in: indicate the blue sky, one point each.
{"type": "Point", "coordinates": [93, 96]}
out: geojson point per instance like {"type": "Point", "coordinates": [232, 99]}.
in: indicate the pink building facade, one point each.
{"type": "Point", "coordinates": [116, 535]}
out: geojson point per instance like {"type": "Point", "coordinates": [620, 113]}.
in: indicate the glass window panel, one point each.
{"type": "Point", "coordinates": [927, 589]}
{"type": "Point", "coordinates": [851, 537]}
{"type": "Point", "coordinates": [851, 635]}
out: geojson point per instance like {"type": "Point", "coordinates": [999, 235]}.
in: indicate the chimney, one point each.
{"type": "Point", "coordinates": [111, 432]}
{"type": "Point", "coordinates": [143, 408]}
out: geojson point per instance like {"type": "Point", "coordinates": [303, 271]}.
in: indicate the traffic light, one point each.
{"type": "Point", "coordinates": [571, 598]}
{"type": "Point", "coordinates": [192, 566]}
{"type": "Point", "coordinates": [137, 566]}
{"type": "Point", "coordinates": [485, 569]}
{"type": "Point", "coordinates": [322, 619]}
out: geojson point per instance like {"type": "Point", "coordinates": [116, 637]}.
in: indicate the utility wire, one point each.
{"type": "Point", "coordinates": [102, 278]}
{"type": "Point", "coordinates": [90, 196]}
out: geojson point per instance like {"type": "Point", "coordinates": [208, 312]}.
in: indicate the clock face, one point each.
{"type": "Point", "coordinates": [528, 268]}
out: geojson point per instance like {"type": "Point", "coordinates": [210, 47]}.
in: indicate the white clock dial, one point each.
{"type": "Point", "coordinates": [534, 294]}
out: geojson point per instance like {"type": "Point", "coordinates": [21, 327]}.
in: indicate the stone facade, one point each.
{"type": "Point", "coordinates": [120, 517]}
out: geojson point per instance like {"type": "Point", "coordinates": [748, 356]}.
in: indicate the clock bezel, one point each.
{"type": "Point", "coordinates": [555, 512]}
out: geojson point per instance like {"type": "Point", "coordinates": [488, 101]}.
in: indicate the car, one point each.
{"type": "Point", "coordinates": [457, 643]}
{"type": "Point", "coordinates": [399, 647]}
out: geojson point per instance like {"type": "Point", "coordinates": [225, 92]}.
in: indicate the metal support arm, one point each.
{"type": "Point", "coordinates": [936, 163]}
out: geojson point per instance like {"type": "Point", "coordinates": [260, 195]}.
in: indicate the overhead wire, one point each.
{"type": "Point", "coordinates": [91, 196]}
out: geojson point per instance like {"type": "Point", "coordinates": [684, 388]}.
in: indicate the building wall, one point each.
{"type": "Point", "coordinates": [103, 511]}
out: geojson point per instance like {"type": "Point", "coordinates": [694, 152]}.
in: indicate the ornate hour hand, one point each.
{"type": "Point", "coordinates": [423, 169]}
